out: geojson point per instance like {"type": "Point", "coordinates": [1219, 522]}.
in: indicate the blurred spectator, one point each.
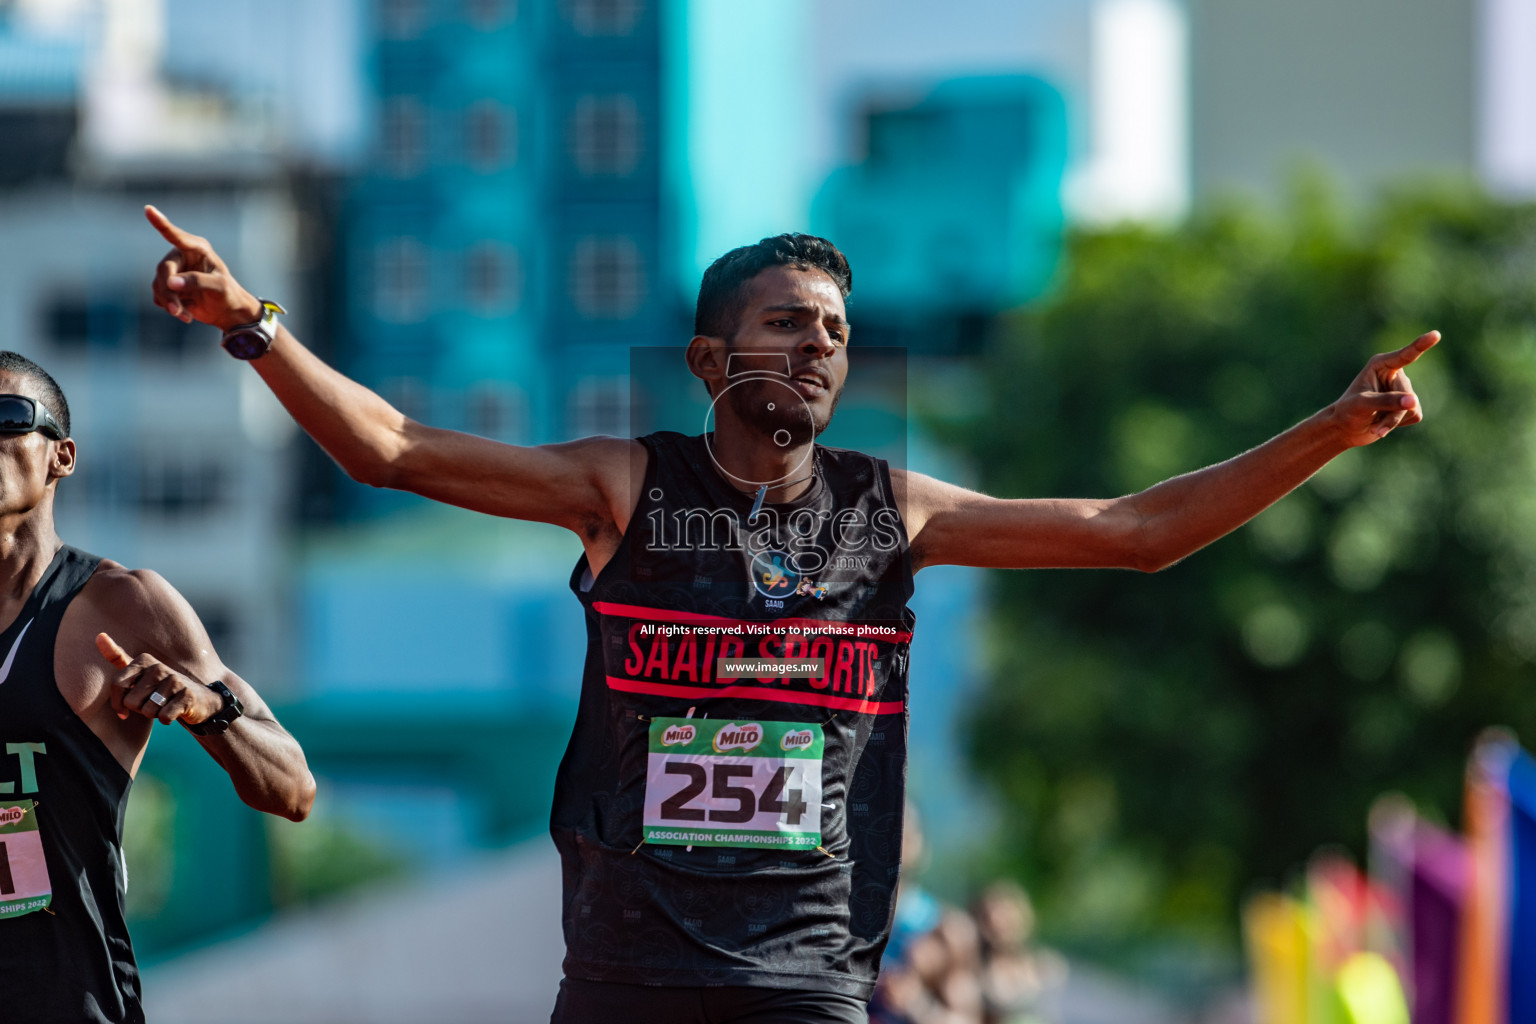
{"type": "Point", "coordinates": [1013, 976]}
{"type": "Point", "coordinates": [945, 965]}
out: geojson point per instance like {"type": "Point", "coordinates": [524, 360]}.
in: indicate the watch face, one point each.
{"type": "Point", "coordinates": [246, 343]}
{"type": "Point", "coordinates": [232, 708]}
{"type": "Point", "coordinates": [219, 721]}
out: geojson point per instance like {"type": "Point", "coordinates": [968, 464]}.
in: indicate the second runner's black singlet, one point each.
{"type": "Point", "coordinates": [64, 950]}
{"type": "Point", "coordinates": [743, 829]}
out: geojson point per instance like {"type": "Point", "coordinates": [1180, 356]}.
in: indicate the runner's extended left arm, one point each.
{"type": "Point", "coordinates": [1153, 529]}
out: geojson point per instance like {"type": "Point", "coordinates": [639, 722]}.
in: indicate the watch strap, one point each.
{"type": "Point", "coordinates": [219, 721]}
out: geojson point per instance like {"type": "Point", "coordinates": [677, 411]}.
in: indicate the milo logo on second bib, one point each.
{"type": "Point", "coordinates": [11, 815]}
{"type": "Point", "coordinates": [738, 737]}
{"type": "Point", "coordinates": [797, 739]}
{"type": "Point", "coordinates": [677, 734]}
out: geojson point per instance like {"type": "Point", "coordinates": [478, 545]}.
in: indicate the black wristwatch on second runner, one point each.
{"type": "Point", "coordinates": [216, 723]}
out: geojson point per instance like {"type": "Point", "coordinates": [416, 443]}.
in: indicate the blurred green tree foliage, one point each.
{"type": "Point", "coordinates": [1161, 743]}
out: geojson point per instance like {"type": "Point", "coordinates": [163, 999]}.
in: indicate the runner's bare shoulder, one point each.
{"type": "Point", "coordinates": [137, 607]}
{"type": "Point", "coordinates": [119, 601]}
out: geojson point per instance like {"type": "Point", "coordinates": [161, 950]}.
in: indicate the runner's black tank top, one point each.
{"type": "Point", "coordinates": [72, 961]}
{"type": "Point", "coordinates": [739, 830]}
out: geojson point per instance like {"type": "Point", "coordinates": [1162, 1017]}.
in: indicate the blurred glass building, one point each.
{"type": "Point", "coordinates": [500, 251]}
{"type": "Point", "coordinates": [954, 214]}
{"type": "Point", "coordinates": [503, 245]}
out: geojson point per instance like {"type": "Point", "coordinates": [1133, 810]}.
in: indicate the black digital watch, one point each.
{"type": "Point", "coordinates": [218, 722]}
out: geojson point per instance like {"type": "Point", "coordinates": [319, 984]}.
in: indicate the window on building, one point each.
{"type": "Point", "coordinates": [400, 280]}
{"type": "Point", "coordinates": [162, 336]}
{"type": "Point", "coordinates": [490, 135]}
{"type": "Point", "coordinates": [605, 135]}
{"type": "Point", "coordinates": [607, 278]}
{"type": "Point", "coordinates": [403, 135]}
{"type": "Point", "coordinates": [67, 323]}
{"type": "Point", "coordinates": [489, 14]}
{"type": "Point", "coordinates": [175, 488]}
{"type": "Point", "coordinates": [71, 322]}
{"type": "Point", "coordinates": [492, 277]}
{"type": "Point", "coordinates": [401, 19]}
{"type": "Point", "coordinates": [600, 405]}
{"type": "Point", "coordinates": [604, 17]}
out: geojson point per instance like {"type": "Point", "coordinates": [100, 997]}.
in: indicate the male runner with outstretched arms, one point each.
{"type": "Point", "coordinates": [93, 656]}
{"type": "Point", "coordinates": [730, 839]}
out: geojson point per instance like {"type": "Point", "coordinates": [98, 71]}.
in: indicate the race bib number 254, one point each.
{"type": "Point", "coordinates": [725, 783]}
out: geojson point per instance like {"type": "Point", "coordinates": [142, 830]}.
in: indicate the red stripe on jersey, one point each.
{"type": "Point", "coordinates": [824, 700]}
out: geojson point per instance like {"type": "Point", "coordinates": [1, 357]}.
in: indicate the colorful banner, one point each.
{"type": "Point", "coordinates": [1275, 929]}
{"type": "Point", "coordinates": [1437, 901]}
{"type": "Point", "coordinates": [1481, 988]}
{"type": "Point", "coordinates": [1442, 931]}
{"type": "Point", "coordinates": [1521, 782]}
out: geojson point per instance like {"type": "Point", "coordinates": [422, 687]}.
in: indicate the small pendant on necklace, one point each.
{"type": "Point", "coordinates": [757, 502]}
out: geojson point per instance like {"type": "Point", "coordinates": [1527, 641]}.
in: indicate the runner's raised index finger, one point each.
{"type": "Point", "coordinates": [1411, 351]}
{"type": "Point", "coordinates": [170, 232]}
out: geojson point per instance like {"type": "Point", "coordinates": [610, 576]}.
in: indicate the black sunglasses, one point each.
{"type": "Point", "coordinates": [22, 415]}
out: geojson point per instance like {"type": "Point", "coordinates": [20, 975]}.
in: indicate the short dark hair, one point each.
{"type": "Point", "coordinates": [53, 395]}
{"type": "Point", "coordinates": [722, 293]}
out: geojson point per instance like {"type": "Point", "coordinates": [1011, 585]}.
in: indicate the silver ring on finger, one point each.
{"type": "Point", "coordinates": [157, 699]}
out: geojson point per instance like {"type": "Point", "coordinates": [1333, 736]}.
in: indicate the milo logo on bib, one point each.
{"type": "Point", "coordinates": [799, 739]}
{"type": "Point", "coordinates": [11, 815]}
{"type": "Point", "coordinates": [676, 734]}
{"type": "Point", "coordinates": [738, 737]}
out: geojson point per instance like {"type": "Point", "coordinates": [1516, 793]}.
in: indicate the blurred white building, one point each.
{"type": "Point", "coordinates": [184, 466]}
{"type": "Point", "coordinates": [185, 461]}
{"type": "Point", "coordinates": [1178, 101]}
{"type": "Point", "coordinates": [1369, 90]}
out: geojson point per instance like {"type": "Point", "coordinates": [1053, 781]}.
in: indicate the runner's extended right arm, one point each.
{"type": "Point", "coordinates": [578, 485]}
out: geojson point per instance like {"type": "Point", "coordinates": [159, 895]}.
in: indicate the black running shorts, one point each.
{"type": "Point", "coordinates": [601, 1002]}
